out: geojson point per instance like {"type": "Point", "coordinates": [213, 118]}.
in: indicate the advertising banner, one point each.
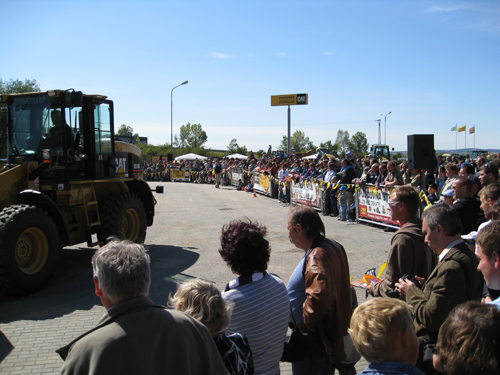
{"type": "Point", "coordinates": [236, 174]}
{"type": "Point", "coordinates": [307, 193]}
{"type": "Point", "coordinates": [261, 183]}
{"type": "Point", "coordinates": [373, 205]}
{"type": "Point", "coordinates": [178, 174]}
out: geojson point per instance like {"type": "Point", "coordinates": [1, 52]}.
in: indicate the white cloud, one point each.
{"type": "Point", "coordinates": [218, 55]}
{"type": "Point", "coordinates": [481, 16]}
{"type": "Point", "coordinates": [328, 53]}
{"type": "Point", "coordinates": [449, 8]}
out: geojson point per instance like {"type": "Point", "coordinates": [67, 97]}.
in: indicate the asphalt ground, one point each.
{"type": "Point", "coordinates": [183, 244]}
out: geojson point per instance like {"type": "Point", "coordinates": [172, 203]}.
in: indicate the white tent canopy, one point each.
{"type": "Point", "coordinates": [236, 156]}
{"type": "Point", "coordinates": [190, 156]}
{"type": "Point", "coordinates": [310, 157]}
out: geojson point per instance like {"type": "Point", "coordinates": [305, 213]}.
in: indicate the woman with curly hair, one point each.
{"type": "Point", "coordinates": [260, 299]}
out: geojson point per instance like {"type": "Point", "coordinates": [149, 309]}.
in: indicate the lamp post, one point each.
{"type": "Point", "coordinates": [172, 120]}
{"type": "Point", "coordinates": [385, 126]}
{"type": "Point", "coordinates": [378, 120]}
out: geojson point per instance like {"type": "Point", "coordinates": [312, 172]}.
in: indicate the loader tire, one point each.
{"type": "Point", "coordinates": [29, 249]}
{"type": "Point", "coordinates": [124, 216]}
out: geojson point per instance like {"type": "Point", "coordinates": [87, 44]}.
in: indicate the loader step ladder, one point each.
{"type": "Point", "coordinates": [92, 205]}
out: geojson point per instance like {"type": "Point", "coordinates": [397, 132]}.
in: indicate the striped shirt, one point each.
{"type": "Point", "coordinates": [260, 312]}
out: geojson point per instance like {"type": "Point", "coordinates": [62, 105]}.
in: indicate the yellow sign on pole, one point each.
{"type": "Point", "coordinates": [292, 99]}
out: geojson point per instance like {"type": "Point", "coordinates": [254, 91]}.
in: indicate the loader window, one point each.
{"type": "Point", "coordinates": [73, 119]}
{"type": "Point", "coordinates": [382, 152]}
{"type": "Point", "coordinates": [102, 129]}
{"type": "Point", "coordinates": [25, 127]}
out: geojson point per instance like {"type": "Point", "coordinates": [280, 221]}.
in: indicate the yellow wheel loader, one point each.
{"type": "Point", "coordinates": [64, 181]}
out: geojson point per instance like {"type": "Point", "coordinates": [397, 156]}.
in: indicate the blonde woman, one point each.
{"type": "Point", "coordinates": [202, 301]}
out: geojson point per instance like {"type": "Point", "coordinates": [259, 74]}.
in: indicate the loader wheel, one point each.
{"type": "Point", "coordinates": [29, 249]}
{"type": "Point", "coordinates": [124, 216]}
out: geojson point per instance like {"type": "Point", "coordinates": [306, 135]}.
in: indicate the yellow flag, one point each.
{"type": "Point", "coordinates": [462, 129]}
{"type": "Point", "coordinates": [381, 269]}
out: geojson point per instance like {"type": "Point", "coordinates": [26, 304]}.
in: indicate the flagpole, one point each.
{"type": "Point", "coordinates": [456, 138]}
{"type": "Point", "coordinates": [465, 136]}
{"type": "Point", "coordinates": [474, 135]}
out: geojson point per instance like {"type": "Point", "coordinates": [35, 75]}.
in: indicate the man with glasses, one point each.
{"type": "Point", "coordinates": [409, 254]}
{"type": "Point", "coordinates": [465, 205]}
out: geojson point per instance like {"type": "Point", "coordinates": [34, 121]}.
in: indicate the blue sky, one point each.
{"type": "Point", "coordinates": [433, 64]}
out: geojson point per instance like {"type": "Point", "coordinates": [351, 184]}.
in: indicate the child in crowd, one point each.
{"type": "Point", "coordinates": [240, 185]}
{"type": "Point", "coordinates": [383, 333]}
{"type": "Point", "coordinates": [448, 197]}
{"type": "Point", "coordinates": [202, 301]}
{"type": "Point", "coordinates": [342, 203]}
{"type": "Point", "coordinates": [431, 194]}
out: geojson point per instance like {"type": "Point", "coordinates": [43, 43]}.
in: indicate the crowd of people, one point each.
{"type": "Point", "coordinates": [452, 180]}
{"type": "Point", "coordinates": [436, 311]}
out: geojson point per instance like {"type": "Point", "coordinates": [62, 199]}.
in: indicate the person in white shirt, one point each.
{"type": "Point", "coordinates": [283, 190]}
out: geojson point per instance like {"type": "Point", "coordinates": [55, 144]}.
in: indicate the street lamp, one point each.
{"type": "Point", "coordinates": [385, 126]}
{"type": "Point", "coordinates": [172, 120]}
{"type": "Point", "coordinates": [378, 120]}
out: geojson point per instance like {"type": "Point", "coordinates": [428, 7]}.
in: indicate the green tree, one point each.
{"type": "Point", "coordinates": [298, 142]}
{"type": "Point", "coordinates": [233, 147]}
{"type": "Point", "coordinates": [17, 86]}
{"type": "Point", "coordinates": [128, 131]}
{"type": "Point", "coordinates": [359, 144]}
{"type": "Point", "coordinates": [11, 87]}
{"type": "Point", "coordinates": [331, 148]}
{"type": "Point", "coordinates": [125, 130]}
{"type": "Point", "coordinates": [396, 156]}
{"type": "Point", "coordinates": [342, 142]}
{"type": "Point", "coordinates": [191, 136]}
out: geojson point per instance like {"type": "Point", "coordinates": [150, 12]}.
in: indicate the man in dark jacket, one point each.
{"type": "Point", "coordinates": [455, 279]}
{"type": "Point", "coordinates": [466, 206]}
{"type": "Point", "coordinates": [382, 175]}
{"type": "Point", "coordinates": [135, 336]}
{"type": "Point", "coordinates": [347, 175]}
{"type": "Point", "coordinates": [217, 170]}
{"type": "Point", "coordinates": [409, 253]}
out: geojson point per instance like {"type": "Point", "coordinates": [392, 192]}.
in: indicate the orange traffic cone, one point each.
{"type": "Point", "coordinates": [254, 194]}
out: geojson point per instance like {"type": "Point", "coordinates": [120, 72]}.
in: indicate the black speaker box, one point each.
{"type": "Point", "coordinates": [421, 153]}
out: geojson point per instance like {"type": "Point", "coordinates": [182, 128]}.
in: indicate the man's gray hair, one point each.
{"type": "Point", "coordinates": [444, 215]}
{"type": "Point", "coordinates": [122, 269]}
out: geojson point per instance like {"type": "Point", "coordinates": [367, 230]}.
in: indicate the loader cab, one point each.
{"type": "Point", "coordinates": [69, 134]}
{"type": "Point", "coordinates": [381, 152]}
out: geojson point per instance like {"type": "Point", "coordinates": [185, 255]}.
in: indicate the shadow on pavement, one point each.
{"type": "Point", "coordinates": [167, 265]}
{"type": "Point", "coordinates": [5, 346]}
{"type": "Point", "coordinates": [71, 288]}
